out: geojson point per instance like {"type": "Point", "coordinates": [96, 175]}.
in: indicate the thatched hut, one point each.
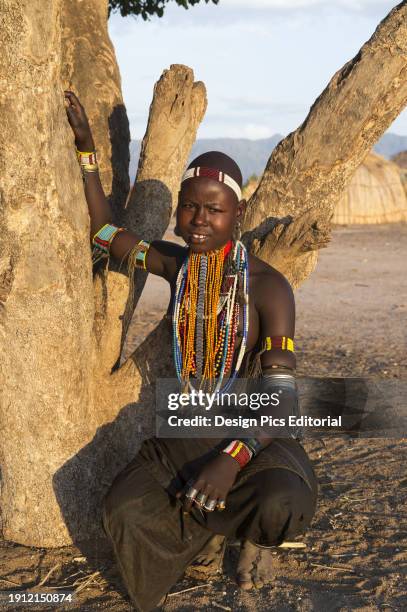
{"type": "Point", "coordinates": [375, 194]}
{"type": "Point", "coordinates": [401, 160]}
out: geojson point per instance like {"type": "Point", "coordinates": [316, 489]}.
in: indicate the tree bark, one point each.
{"type": "Point", "coordinates": [308, 170]}
{"type": "Point", "coordinates": [67, 425]}
{"type": "Point", "coordinates": [89, 67]}
{"type": "Point", "coordinates": [46, 305]}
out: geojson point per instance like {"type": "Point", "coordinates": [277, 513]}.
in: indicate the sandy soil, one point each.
{"type": "Point", "coordinates": [351, 321]}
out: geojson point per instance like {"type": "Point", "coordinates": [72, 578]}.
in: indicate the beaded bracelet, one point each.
{"type": "Point", "coordinates": [103, 239]}
{"type": "Point", "coordinates": [239, 451]}
{"type": "Point", "coordinates": [87, 161]}
{"type": "Point", "coordinates": [86, 157]}
{"type": "Point", "coordinates": [138, 254]}
{"type": "Point", "coordinates": [253, 444]}
{"type": "Point", "coordinates": [280, 342]}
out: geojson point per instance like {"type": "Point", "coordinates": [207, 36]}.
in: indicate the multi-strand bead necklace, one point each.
{"type": "Point", "coordinates": [206, 312]}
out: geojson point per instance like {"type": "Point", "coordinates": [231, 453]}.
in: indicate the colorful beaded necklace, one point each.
{"type": "Point", "coordinates": [210, 290]}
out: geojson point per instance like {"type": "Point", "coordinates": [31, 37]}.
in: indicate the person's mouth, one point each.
{"type": "Point", "coordinates": [196, 238]}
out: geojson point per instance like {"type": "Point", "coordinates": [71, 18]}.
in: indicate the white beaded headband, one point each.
{"type": "Point", "coordinates": [217, 175]}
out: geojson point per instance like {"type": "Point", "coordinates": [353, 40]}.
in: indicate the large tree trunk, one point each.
{"type": "Point", "coordinates": [66, 425]}
{"type": "Point", "coordinates": [46, 304]}
{"type": "Point", "coordinates": [89, 68]}
{"type": "Point", "coordinates": [308, 170]}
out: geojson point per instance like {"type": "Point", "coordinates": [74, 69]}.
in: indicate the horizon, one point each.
{"type": "Point", "coordinates": [252, 154]}
{"type": "Point", "coordinates": [387, 132]}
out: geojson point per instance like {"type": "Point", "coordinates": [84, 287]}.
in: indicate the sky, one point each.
{"type": "Point", "coordinates": [263, 62]}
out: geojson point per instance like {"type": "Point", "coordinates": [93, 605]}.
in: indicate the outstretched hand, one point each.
{"type": "Point", "coordinates": [79, 123]}
{"type": "Point", "coordinates": [212, 485]}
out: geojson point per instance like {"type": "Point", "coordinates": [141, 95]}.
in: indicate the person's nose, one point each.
{"type": "Point", "coordinates": [199, 216]}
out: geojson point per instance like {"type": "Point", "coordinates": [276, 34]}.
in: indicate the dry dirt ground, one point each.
{"type": "Point", "coordinates": [351, 321]}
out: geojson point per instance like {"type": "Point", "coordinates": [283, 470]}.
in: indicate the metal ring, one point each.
{"type": "Point", "coordinates": [221, 505]}
{"type": "Point", "coordinates": [201, 499]}
{"type": "Point", "coordinates": [210, 507]}
{"type": "Point", "coordinates": [191, 493]}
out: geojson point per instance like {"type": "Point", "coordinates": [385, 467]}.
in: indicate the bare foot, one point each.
{"type": "Point", "coordinates": [209, 560]}
{"type": "Point", "coordinates": [254, 568]}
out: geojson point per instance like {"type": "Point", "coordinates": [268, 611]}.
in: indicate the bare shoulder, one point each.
{"type": "Point", "coordinates": [273, 299]}
{"type": "Point", "coordinates": [267, 284]}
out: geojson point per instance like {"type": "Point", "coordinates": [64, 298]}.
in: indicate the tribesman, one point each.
{"type": "Point", "coordinates": [232, 316]}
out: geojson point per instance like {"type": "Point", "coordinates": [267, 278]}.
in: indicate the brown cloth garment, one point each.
{"type": "Point", "coordinates": [273, 498]}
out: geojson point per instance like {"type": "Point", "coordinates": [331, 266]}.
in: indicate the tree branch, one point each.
{"type": "Point", "coordinates": [310, 168]}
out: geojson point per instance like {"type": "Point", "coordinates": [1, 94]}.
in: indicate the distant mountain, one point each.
{"type": "Point", "coordinates": [391, 144]}
{"type": "Point", "coordinates": [252, 155]}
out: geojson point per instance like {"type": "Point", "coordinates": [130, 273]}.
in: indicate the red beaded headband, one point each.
{"type": "Point", "coordinates": [217, 175]}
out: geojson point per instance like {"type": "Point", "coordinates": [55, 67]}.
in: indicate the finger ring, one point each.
{"type": "Point", "coordinates": [210, 506]}
{"type": "Point", "coordinates": [191, 493]}
{"type": "Point", "coordinates": [200, 499]}
{"type": "Point", "coordinates": [221, 505]}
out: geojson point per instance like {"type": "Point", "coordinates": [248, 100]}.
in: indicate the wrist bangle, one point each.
{"type": "Point", "coordinates": [89, 168]}
{"type": "Point", "coordinates": [86, 158]}
{"type": "Point", "coordinates": [253, 444]}
{"type": "Point", "coordinates": [87, 162]}
{"type": "Point", "coordinates": [239, 452]}
{"type": "Point", "coordinates": [137, 256]}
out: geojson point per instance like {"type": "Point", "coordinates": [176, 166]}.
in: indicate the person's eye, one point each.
{"type": "Point", "coordinates": [187, 205]}
{"type": "Point", "coordinates": [211, 209]}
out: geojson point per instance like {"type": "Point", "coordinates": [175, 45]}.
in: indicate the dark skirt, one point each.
{"type": "Point", "coordinates": [272, 500]}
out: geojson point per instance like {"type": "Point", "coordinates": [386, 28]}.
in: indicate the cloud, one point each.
{"type": "Point", "coordinates": [269, 4]}
{"type": "Point", "coordinates": [263, 61]}
{"type": "Point", "coordinates": [234, 11]}
{"type": "Point", "coordinates": [288, 5]}
{"type": "Point", "coordinates": [239, 17]}
{"type": "Point", "coordinates": [265, 105]}
{"type": "Point", "coordinates": [253, 131]}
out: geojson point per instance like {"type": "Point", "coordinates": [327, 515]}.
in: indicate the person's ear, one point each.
{"type": "Point", "coordinates": [241, 207]}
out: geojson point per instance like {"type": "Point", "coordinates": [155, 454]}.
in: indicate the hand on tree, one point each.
{"type": "Point", "coordinates": [212, 484]}
{"type": "Point", "coordinates": [79, 123]}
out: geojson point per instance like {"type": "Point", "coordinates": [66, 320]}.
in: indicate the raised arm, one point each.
{"type": "Point", "coordinates": [161, 255]}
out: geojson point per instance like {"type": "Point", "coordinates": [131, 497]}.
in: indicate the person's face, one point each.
{"type": "Point", "coordinates": [206, 214]}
